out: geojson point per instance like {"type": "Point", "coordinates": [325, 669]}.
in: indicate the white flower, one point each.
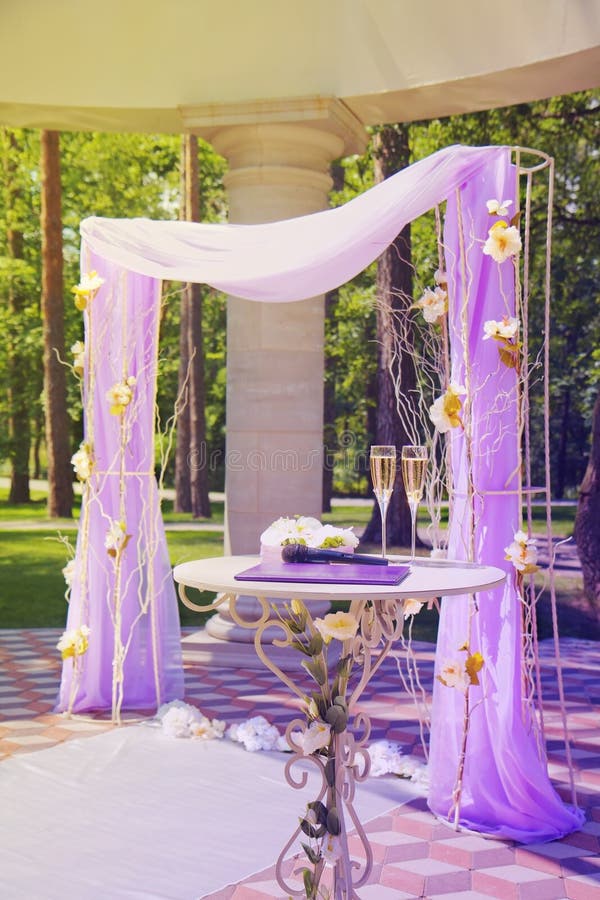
{"type": "Point", "coordinates": [82, 461]}
{"type": "Point", "coordinates": [120, 395]}
{"type": "Point", "coordinates": [498, 207]}
{"type": "Point", "coordinates": [411, 607]}
{"type": "Point", "coordinates": [207, 729]}
{"type": "Point", "coordinates": [339, 625]}
{"type": "Point", "coordinates": [503, 242]}
{"type": "Point", "coordinates": [74, 642]}
{"type": "Point", "coordinates": [522, 553]}
{"type": "Point", "coordinates": [328, 536]}
{"type": "Point", "coordinates": [306, 530]}
{"type": "Point", "coordinates": [78, 351]}
{"type": "Point", "coordinates": [445, 411]}
{"type": "Point", "coordinates": [87, 289]}
{"type": "Point", "coordinates": [505, 329]}
{"type": "Point", "coordinates": [387, 759]}
{"type": "Point", "coordinates": [69, 572]}
{"type": "Point", "coordinates": [257, 733]}
{"type": "Point", "coordinates": [181, 720]}
{"type": "Point", "coordinates": [454, 674]}
{"type": "Point", "coordinates": [176, 722]}
{"type": "Point", "coordinates": [315, 737]}
{"type": "Point", "coordinates": [290, 530]}
{"type": "Point", "coordinates": [440, 277]}
{"type": "Point", "coordinates": [116, 538]}
{"type": "Point", "coordinates": [331, 849]}
{"type": "Point", "coordinates": [433, 304]}
{"type": "Point", "coordinates": [439, 553]}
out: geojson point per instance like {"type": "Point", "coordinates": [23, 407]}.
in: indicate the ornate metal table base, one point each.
{"type": "Point", "coordinates": [323, 829]}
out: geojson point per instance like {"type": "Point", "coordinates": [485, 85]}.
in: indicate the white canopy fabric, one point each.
{"type": "Point", "coordinates": [172, 65]}
{"type": "Point", "coordinates": [296, 258]}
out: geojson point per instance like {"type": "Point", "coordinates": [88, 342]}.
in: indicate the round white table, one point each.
{"type": "Point", "coordinates": [345, 761]}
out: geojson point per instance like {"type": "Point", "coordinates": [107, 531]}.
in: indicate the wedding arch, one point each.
{"type": "Point", "coordinates": [487, 761]}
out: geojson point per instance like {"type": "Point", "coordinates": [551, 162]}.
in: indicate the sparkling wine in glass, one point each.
{"type": "Point", "coordinates": [383, 475]}
{"type": "Point", "coordinates": [414, 467]}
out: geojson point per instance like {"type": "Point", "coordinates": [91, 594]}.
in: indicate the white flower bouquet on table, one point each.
{"type": "Point", "coordinates": [307, 531]}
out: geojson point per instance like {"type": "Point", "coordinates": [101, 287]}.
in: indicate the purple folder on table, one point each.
{"type": "Point", "coordinates": [324, 573]}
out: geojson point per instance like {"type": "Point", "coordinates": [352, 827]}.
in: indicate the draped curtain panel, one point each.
{"type": "Point", "coordinates": [123, 589]}
{"type": "Point", "coordinates": [505, 788]}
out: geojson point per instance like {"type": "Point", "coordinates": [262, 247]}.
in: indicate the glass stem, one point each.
{"type": "Point", "coordinates": [413, 518]}
{"type": "Point", "coordinates": [383, 509]}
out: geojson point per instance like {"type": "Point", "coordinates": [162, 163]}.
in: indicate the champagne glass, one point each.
{"type": "Point", "coordinates": [414, 466]}
{"type": "Point", "coordinates": [383, 475]}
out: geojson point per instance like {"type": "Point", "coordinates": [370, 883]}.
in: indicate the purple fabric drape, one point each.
{"type": "Point", "coordinates": [506, 790]}
{"type": "Point", "coordinates": [121, 324]}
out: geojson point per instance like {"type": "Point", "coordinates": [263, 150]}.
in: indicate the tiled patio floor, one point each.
{"type": "Point", "coordinates": [415, 855]}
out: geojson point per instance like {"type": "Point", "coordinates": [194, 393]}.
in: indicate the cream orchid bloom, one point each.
{"type": "Point", "coordinates": [433, 305]}
{"type": "Point", "coordinates": [445, 411]}
{"type": "Point", "coordinates": [74, 642]}
{"type": "Point", "coordinates": [505, 329]}
{"type": "Point", "coordinates": [82, 461]}
{"type": "Point", "coordinates": [87, 289]}
{"type": "Point", "coordinates": [503, 242]}
{"type": "Point", "coordinates": [522, 553]}
{"type": "Point", "coordinates": [315, 737]}
{"type": "Point", "coordinates": [454, 675]}
{"type": "Point", "coordinates": [78, 351]}
{"type": "Point", "coordinates": [411, 607]}
{"type": "Point", "coordinates": [120, 395]}
{"type": "Point", "coordinates": [498, 207]}
{"type": "Point", "coordinates": [340, 625]}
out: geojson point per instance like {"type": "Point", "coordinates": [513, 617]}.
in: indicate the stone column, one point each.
{"type": "Point", "coordinates": [279, 156]}
{"type": "Point", "coordinates": [274, 350]}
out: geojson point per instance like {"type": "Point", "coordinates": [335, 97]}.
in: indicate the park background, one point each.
{"type": "Point", "coordinates": [169, 177]}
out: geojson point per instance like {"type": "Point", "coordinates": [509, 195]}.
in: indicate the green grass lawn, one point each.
{"type": "Point", "coordinates": [32, 586]}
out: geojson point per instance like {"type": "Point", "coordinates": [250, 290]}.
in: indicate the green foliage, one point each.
{"type": "Point", "coordinates": [124, 175]}
{"type": "Point", "coordinates": [33, 587]}
{"type": "Point", "coordinates": [113, 175]}
{"type": "Point", "coordinates": [565, 128]}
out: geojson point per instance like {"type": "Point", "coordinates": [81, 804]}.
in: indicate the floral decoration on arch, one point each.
{"type": "Point", "coordinates": [503, 240]}
{"type": "Point", "coordinates": [434, 301]}
{"type": "Point", "coordinates": [83, 461]}
{"type": "Point", "coordinates": [87, 289]}
{"type": "Point", "coordinates": [445, 412]}
{"type": "Point", "coordinates": [505, 332]}
{"type": "Point", "coordinates": [120, 395]}
{"type": "Point", "coordinates": [461, 674]}
{"type": "Point", "coordinates": [522, 553]}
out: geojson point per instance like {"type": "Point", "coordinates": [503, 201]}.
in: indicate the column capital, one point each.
{"type": "Point", "coordinates": [324, 114]}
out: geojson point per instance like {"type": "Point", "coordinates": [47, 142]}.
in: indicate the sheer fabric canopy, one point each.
{"type": "Point", "coordinates": [296, 258]}
{"type": "Point", "coordinates": [505, 787]}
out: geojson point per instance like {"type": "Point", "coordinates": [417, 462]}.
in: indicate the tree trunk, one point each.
{"type": "Point", "coordinates": [191, 469]}
{"type": "Point", "coordinates": [19, 426]}
{"type": "Point", "coordinates": [330, 443]}
{"type": "Point", "coordinates": [587, 520]}
{"type": "Point", "coordinates": [394, 293]}
{"type": "Point", "coordinates": [329, 433]}
{"type": "Point", "coordinates": [183, 491]}
{"type": "Point", "coordinates": [58, 445]}
{"type": "Point", "coordinates": [562, 455]}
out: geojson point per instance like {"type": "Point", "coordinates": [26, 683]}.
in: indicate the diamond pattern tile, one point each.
{"type": "Point", "coordinates": [415, 855]}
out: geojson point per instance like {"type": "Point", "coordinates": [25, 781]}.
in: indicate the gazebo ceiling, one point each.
{"type": "Point", "coordinates": [139, 66]}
